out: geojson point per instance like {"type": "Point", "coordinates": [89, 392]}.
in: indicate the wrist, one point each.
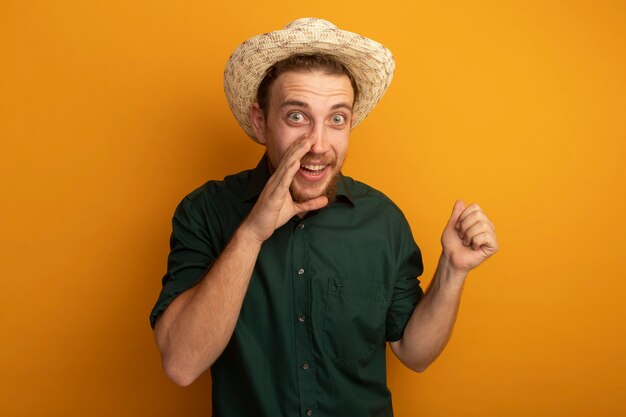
{"type": "Point", "coordinates": [246, 234]}
{"type": "Point", "coordinates": [449, 274]}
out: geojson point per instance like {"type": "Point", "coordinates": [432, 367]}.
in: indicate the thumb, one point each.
{"type": "Point", "coordinates": [458, 208]}
{"type": "Point", "coordinates": [313, 204]}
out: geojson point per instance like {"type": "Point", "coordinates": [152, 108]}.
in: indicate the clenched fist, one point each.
{"type": "Point", "coordinates": [469, 237]}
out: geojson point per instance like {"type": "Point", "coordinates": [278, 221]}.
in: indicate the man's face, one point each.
{"type": "Point", "coordinates": [310, 104]}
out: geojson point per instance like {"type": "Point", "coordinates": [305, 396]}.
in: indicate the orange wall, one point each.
{"type": "Point", "coordinates": [112, 111]}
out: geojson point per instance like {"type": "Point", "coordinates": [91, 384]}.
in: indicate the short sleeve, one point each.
{"type": "Point", "coordinates": [191, 255]}
{"type": "Point", "coordinates": [407, 291]}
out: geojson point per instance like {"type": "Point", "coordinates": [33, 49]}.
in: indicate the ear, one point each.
{"type": "Point", "coordinates": [257, 119]}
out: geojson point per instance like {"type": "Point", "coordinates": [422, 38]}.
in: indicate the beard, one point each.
{"type": "Point", "coordinates": [330, 191]}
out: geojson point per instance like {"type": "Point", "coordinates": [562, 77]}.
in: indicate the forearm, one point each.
{"type": "Point", "coordinates": [467, 240]}
{"type": "Point", "coordinates": [432, 321]}
{"type": "Point", "coordinates": [196, 327]}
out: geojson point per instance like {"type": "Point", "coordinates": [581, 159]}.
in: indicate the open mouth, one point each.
{"type": "Point", "coordinates": [313, 169]}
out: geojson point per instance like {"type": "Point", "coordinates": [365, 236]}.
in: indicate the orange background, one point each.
{"type": "Point", "coordinates": [112, 111]}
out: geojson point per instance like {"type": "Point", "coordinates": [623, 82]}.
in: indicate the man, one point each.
{"type": "Point", "coordinates": [287, 280]}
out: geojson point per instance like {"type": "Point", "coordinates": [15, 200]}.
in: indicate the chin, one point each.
{"type": "Point", "coordinates": [302, 194]}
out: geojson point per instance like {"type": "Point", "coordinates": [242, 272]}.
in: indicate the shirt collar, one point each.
{"type": "Point", "coordinates": [261, 174]}
{"type": "Point", "coordinates": [343, 192]}
{"type": "Point", "coordinates": [258, 179]}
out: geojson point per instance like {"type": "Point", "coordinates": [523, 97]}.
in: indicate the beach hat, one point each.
{"type": "Point", "coordinates": [369, 62]}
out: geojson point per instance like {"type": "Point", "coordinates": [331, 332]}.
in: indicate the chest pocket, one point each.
{"type": "Point", "coordinates": [354, 319]}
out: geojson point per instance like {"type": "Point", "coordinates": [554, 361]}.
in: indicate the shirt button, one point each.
{"type": "Point", "coordinates": [301, 226]}
{"type": "Point", "coordinates": [305, 366]}
{"type": "Point", "coordinates": [302, 318]}
{"type": "Point", "coordinates": [300, 271]}
{"type": "Point", "coordinates": [309, 412]}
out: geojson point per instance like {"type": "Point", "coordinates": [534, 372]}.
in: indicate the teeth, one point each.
{"type": "Point", "coordinates": [314, 167]}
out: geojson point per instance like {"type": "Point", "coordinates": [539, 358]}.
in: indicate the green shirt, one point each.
{"type": "Point", "coordinates": [326, 293]}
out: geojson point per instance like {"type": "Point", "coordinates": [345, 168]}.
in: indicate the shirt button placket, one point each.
{"type": "Point", "coordinates": [302, 306]}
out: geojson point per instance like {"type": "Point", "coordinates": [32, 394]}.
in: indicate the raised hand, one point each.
{"type": "Point", "coordinates": [275, 206]}
{"type": "Point", "coordinates": [469, 237]}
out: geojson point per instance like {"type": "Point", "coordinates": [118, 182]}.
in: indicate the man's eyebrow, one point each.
{"type": "Point", "coordinates": [294, 103]}
{"type": "Point", "coordinates": [298, 103]}
{"type": "Point", "coordinates": [342, 105]}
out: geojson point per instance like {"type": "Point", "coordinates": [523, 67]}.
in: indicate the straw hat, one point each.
{"type": "Point", "coordinates": [369, 62]}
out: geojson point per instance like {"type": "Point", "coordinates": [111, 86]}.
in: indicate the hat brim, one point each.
{"type": "Point", "coordinates": [370, 63]}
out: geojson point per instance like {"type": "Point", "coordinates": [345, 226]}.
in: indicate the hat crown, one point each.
{"type": "Point", "coordinates": [310, 22]}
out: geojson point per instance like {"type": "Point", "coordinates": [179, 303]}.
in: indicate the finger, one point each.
{"type": "Point", "coordinates": [295, 152]}
{"type": "Point", "coordinates": [475, 229]}
{"type": "Point", "coordinates": [278, 184]}
{"type": "Point", "coordinates": [314, 204]}
{"type": "Point", "coordinates": [474, 218]}
{"type": "Point", "coordinates": [290, 163]}
{"type": "Point", "coordinates": [468, 211]}
{"type": "Point", "coordinates": [486, 242]}
{"type": "Point", "coordinates": [457, 209]}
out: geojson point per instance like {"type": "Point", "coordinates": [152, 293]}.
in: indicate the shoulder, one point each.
{"type": "Point", "coordinates": [216, 198]}
{"type": "Point", "coordinates": [368, 197]}
{"type": "Point", "coordinates": [230, 187]}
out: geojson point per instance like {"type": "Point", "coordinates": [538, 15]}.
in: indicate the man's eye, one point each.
{"type": "Point", "coordinates": [295, 117]}
{"type": "Point", "coordinates": [338, 119]}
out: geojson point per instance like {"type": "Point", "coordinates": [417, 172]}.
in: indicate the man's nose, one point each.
{"type": "Point", "coordinates": [320, 144]}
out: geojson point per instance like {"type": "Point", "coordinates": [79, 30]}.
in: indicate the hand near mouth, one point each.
{"type": "Point", "coordinates": [275, 205]}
